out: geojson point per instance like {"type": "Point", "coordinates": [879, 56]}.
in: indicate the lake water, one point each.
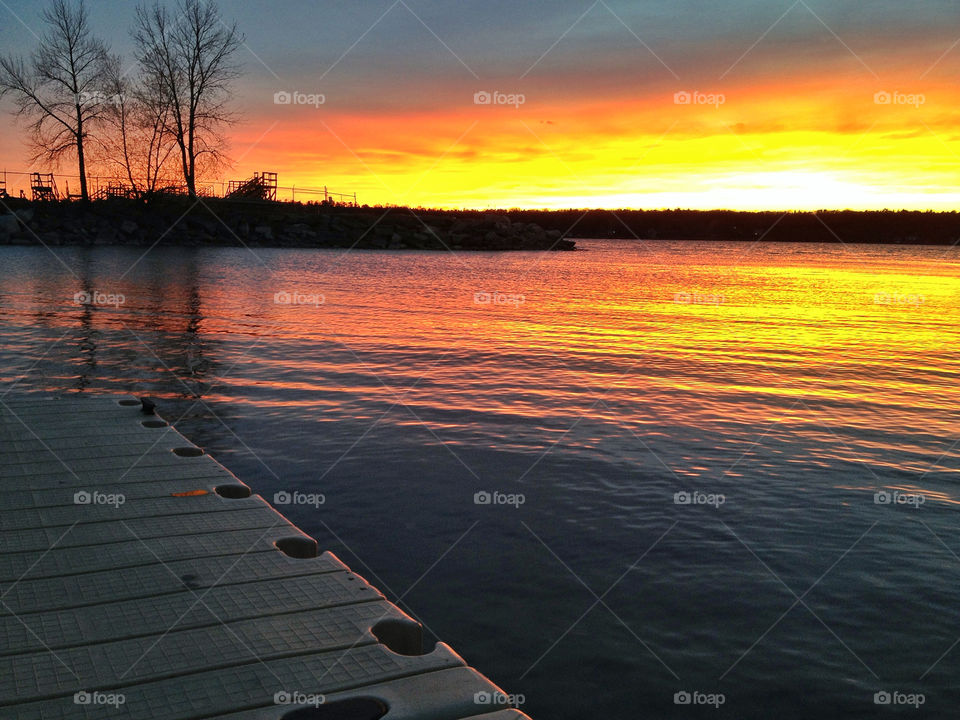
{"type": "Point", "coordinates": [804, 397]}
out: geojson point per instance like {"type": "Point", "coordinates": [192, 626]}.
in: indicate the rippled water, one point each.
{"type": "Point", "coordinates": [795, 381]}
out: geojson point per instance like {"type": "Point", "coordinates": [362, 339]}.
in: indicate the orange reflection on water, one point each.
{"type": "Point", "coordinates": [806, 351]}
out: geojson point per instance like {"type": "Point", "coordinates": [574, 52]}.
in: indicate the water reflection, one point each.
{"type": "Point", "coordinates": [817, 382]}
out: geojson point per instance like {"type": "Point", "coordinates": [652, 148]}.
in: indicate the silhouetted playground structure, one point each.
{"type": "Point", "coordinates": [43, 187]}
{"type": "Point", "coordinates": [262, 186]}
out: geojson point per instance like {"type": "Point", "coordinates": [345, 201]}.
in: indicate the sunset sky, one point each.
{"type": "Point", "coordinates": [812, 104]}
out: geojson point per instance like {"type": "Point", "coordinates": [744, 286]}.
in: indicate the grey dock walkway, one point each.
{"type": "Point", "coordinates": [140, 579]}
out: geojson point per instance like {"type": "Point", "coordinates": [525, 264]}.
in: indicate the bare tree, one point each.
{"type": "Point", "coordinates": [189, 58]}
{"type": "Point", "coordinates": [60, 88]}
{"type": "Point", "coordinates": [139, 143]}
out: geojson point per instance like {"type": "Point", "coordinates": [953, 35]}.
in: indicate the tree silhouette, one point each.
{"type": "Point", "coordinates": [59, 89]}
{"type": "Point", "coordinates": [138, 143]}
{"type": "Point", "coordinates": [188, 58]}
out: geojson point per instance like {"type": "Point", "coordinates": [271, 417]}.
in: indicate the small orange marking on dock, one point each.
{"type": "Point", "coordinates": [190, 493]}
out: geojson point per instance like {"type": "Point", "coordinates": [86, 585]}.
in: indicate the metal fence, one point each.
{"type": "Point", "coordinates": [64, 186]}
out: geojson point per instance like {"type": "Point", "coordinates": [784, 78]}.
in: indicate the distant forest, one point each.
{"type": "Point", "coordinates": [849, 226]}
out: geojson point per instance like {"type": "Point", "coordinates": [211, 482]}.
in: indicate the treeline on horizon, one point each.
{"type": "Point", "coordinates": [908, 227]}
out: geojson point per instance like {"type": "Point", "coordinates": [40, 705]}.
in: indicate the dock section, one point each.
{"type": "Point", "coordinates": [140, 579]}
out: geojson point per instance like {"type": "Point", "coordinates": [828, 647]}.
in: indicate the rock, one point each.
{"type": "Point", "coordinates": [134, 224]}
{"type": "Point", "coordinates": [534, 231]}
{"type": "Point", "coordinates": [298, 234]}
{"type": "Point", "coordinates": [8, 225]}
{"type": "Point", "coordinates": [500, 223]}
{"type": "Point", "coordinates": [207, 224]}
{"type": "Point", "coordinates": [462, 227]}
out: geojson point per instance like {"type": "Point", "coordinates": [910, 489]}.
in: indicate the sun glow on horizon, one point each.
{"type": "Point", "coordinates": [783, 171]}
{"type": "Point", "coordinates": [632, 155]}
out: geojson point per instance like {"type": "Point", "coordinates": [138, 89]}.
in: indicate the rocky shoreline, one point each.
{"type": "Point", "coordinates": [185, 222]}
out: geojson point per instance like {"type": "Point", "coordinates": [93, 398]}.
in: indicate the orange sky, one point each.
{"type": "Point", "coordinates": [796, 122]}
{"type": "Point", "coordinates": [803, 146]}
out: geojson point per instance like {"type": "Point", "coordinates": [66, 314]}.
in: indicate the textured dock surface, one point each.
{"type": "Point", "coordinates": [140, 579]}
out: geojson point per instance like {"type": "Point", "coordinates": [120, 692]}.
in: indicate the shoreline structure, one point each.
{"type": "Point", "coordinates": [214, 221]}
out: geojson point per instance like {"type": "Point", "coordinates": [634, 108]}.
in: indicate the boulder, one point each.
{"type": "Point", "coordinates": [207, 224]}
{"type": "Point", "coordinates": [8, 226]}
{"type": "Point", "coordinates": [495, 219]}
{"type": "Point", "coordinates": [463, 226]}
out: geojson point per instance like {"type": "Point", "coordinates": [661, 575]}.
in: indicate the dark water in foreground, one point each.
{"type": "Point", "coordinates": [795, 381]}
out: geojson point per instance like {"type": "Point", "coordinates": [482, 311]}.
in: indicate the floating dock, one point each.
{"type": "Point", "coordinates": [140, 579]}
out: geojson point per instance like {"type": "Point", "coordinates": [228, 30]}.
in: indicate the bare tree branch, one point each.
{"type": "Point", "coordinates": [189, 60]}
{"type": "Point", "coordinates": [59, 91]}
